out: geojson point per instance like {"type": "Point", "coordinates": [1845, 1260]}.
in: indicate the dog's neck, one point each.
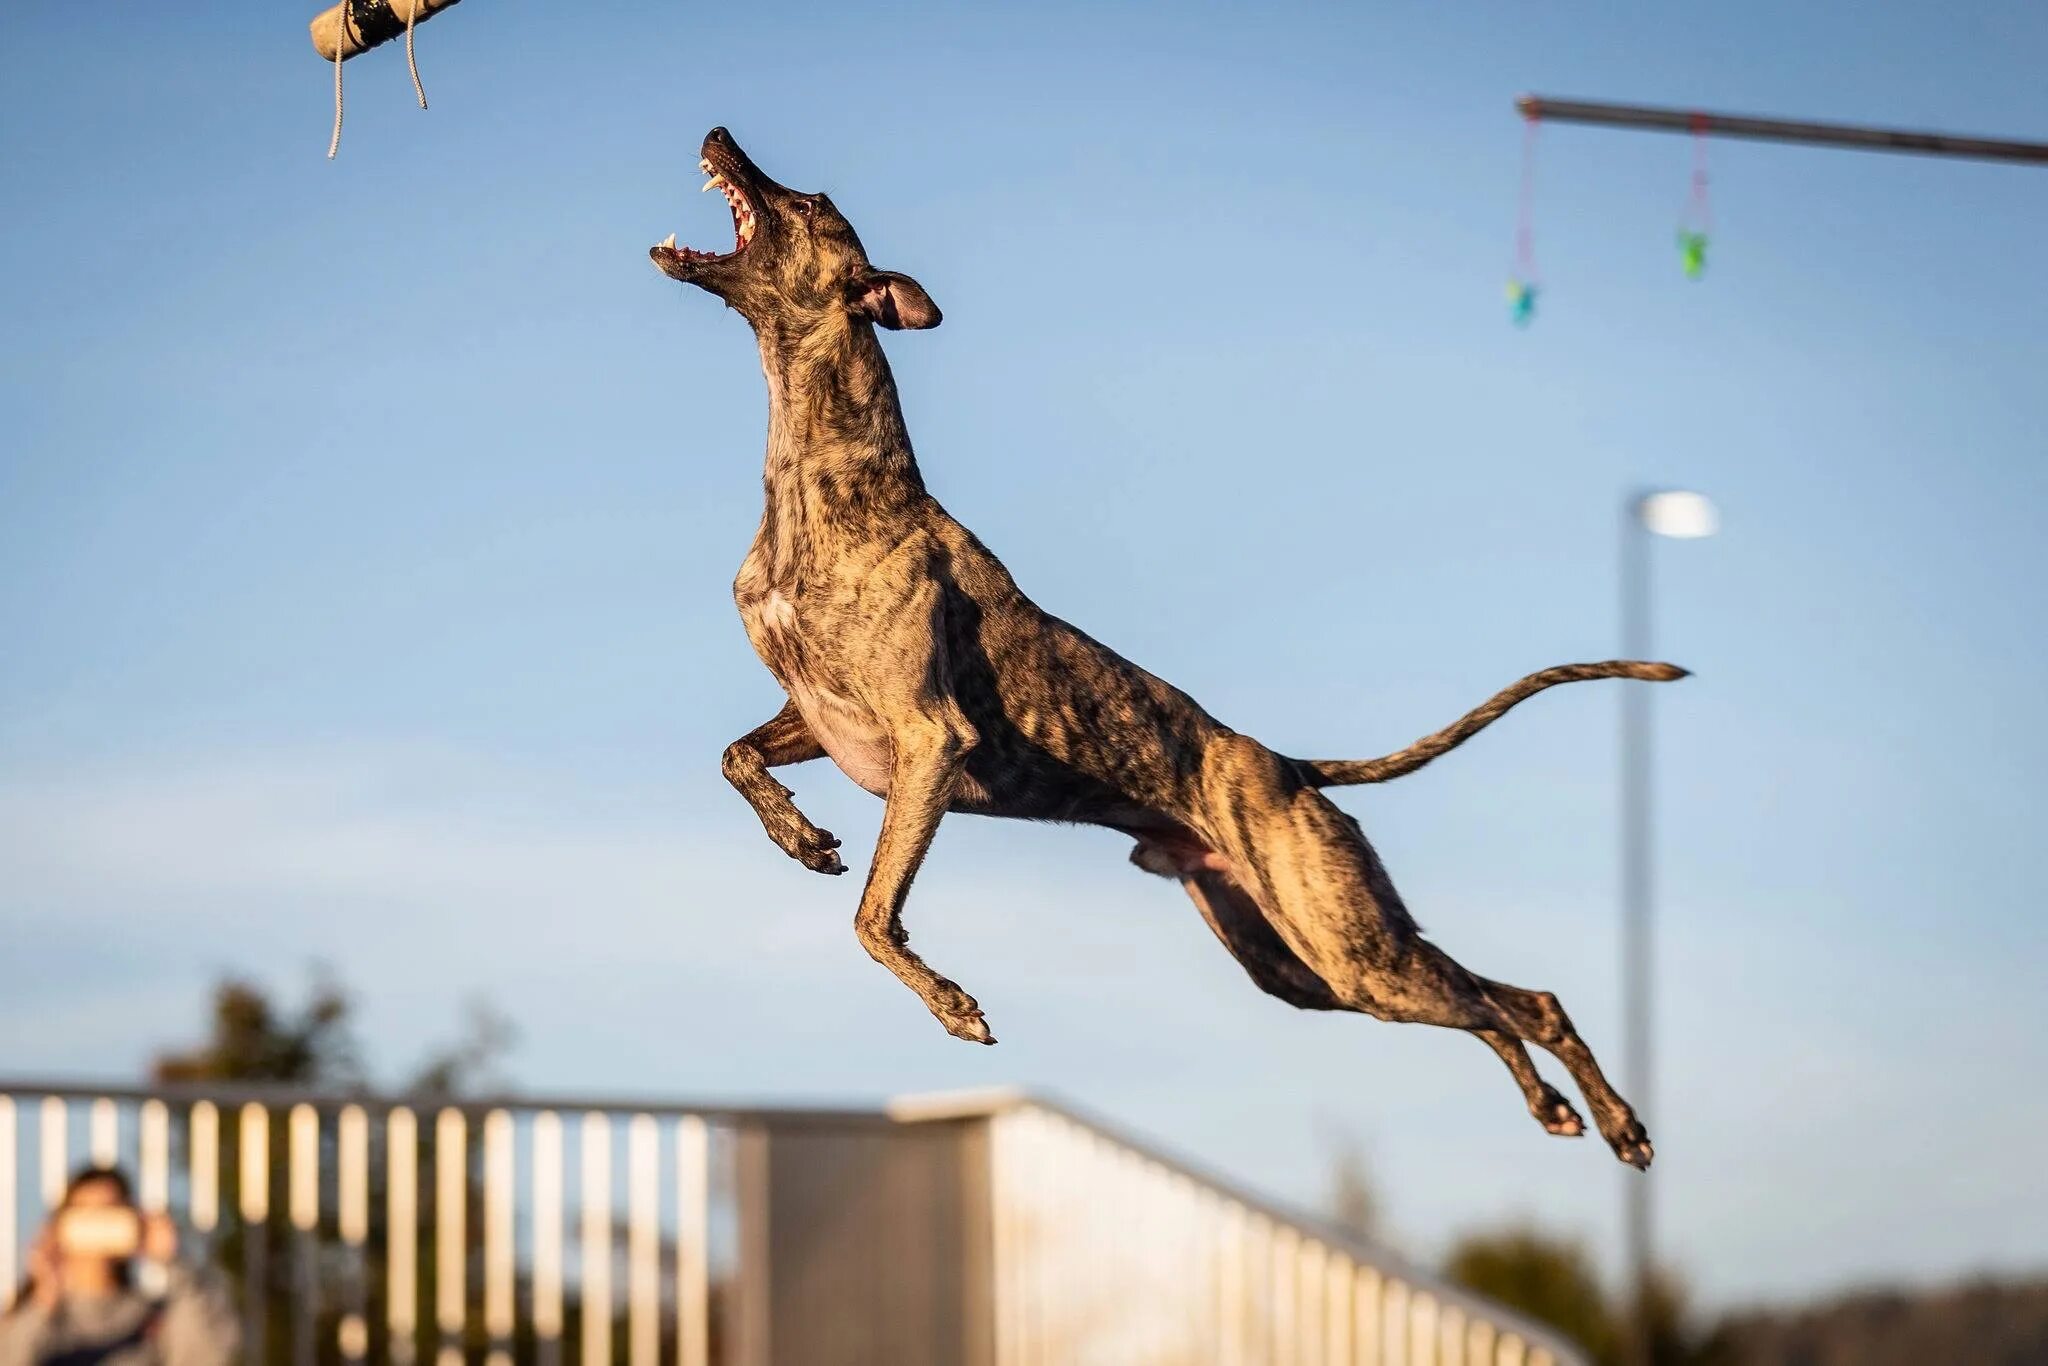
{"type": "Point", "coordinates": [839, 456]}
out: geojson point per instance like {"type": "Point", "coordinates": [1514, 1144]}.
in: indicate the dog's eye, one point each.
{"type": "Point", "coordinates": [806, 207]}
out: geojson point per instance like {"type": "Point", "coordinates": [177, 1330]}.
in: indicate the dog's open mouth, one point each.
{"type": "Point", "coordinates": [742, 218]}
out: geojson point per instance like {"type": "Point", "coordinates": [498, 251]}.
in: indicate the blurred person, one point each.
{"type": "Point", "coordinates": [80, 1305]}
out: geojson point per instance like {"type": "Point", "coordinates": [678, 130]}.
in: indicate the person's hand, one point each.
{"type": "Point", "coordinates": [159, 1238]}
{"type": "Point", "coordinates": [45, 1283]}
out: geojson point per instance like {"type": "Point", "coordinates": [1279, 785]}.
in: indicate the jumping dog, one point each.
{"type": "Point", "coordinates": [910, 658]}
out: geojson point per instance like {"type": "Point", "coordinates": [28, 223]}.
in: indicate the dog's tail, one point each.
{"type": "Point", "coordinates": [1344, 772]}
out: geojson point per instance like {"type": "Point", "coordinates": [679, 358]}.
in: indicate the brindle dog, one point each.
{"type": "Point", "coordinates": [911, 659]}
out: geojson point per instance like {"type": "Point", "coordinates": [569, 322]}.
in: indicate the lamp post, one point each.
{"type": "Point", "coordinates": [1682, 515]}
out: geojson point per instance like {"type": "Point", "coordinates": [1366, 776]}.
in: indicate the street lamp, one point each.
{"type": "Point", "coordinates": [1682, 515]}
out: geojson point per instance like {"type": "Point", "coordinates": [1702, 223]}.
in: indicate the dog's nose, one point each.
{"type": "Point", "coordinates": [718, 135]}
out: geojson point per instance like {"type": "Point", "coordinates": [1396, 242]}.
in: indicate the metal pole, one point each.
{"type": "Point", "coordinates": [1636, 904]}
{"type": "Point", "coordinates": [1850, 135]}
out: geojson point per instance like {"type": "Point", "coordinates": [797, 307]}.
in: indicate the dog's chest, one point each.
{"type": "Point", "coordinates": [849, 731]}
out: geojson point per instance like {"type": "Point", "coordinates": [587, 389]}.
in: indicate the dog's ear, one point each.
{"type": "Point", "coordinates": [895, 301]}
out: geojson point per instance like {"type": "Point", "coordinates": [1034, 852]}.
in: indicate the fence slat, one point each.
{"type": "Point", "coordinates": [1285, 1247]}
{"type": "Point", "coordinates": [547, 1237]}
{"type": "Point", "coordinates": [1452, 1336]}
{"type": "Point", "coordinates": [305, 1168]}
{"type": "Point", "coordinates": [402, 1234]}
{"type": "Point", "coordinates": [10, 1204]}
{"type": "Point", "coordinates": [451, 1234]}
{"type": "Point", "coordinates": [1394, 1299]}
{"type": "Point", "coordinates": [1311, 1283]}
{"type": "Point", "coordinates": [153, 1157]}
{"type": "Point", "coordinates": [693, 1239]}
{"type": "Point", "coordinates": [303, 1200]}
{"type": "Point", "coordinates": [105, 1133]}
{"type": "Point", "coordinates": [500, 1253]}
{"type": "Point", "coordinates": [1422, 1331]}
{"type": "Point", "coordinates": [643, 1242]}
{"type": "Point", "coordinates": [203, 1131]}
{"type": "Point", "coordinates": [595, 1262]}
{"type": "Point", "coordinates": [1368, 1339]}
{"type": "Point", "coordinates": [352, 1219]}
{"type": "Point", "coordinates": [252, 1199]}
{"type": "Point", "coordinates": [56, 1145]}
{"type": "Point", "coordinates": [1340, 1280]}
{"type": "Point", "coordinates": [252, 1189]}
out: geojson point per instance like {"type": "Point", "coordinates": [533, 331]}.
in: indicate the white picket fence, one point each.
{"type": "Point", "coordinates": [569, 1233]}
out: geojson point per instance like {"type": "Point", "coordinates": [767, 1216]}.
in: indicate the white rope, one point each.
{"type": "Point", "coordinates": [412, 15]}
{"type": "Point", "coordinates": [340, 42]}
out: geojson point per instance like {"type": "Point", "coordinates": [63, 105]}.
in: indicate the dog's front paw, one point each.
{"type": "Point", "coordinates": [962, 1018]}
{"type": "Point", "coordinates": [971, 1027]}
{"type": "Point", "coordinates": [815, 849]}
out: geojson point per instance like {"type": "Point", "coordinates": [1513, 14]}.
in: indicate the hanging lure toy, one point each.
{"type": "Point", "coordinates": [356, 26]}
{"type": "Point", "coordinates": [1696, 219]}
{"type": "Point", "coordinates": [1522, 277]}
{"type": "Point", "coordinates": [1521, 302]}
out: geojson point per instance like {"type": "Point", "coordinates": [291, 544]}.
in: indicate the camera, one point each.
{"type": "Point", "coordinates": [99, 1232]}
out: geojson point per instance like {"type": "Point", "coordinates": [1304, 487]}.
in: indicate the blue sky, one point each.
{"type": "Point", "coordinates": [366, 534]}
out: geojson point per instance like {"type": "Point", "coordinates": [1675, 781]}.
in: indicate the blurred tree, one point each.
{"type": "Point", "coordinates": [1977, 1323]}
{"type": "Point", "coordinates": [471, 1062]}
{"type": "Point", "coordinates": [1546, 1278]}
{"type": "Point", "coordinates": [1673, 1340]}
{"type": "Point", "coordinates": [250, 1039]}
{"type": "Point", "coordinates": [1352, 1202]}
{"type": "Point", "coordinates": [1553, 1281]}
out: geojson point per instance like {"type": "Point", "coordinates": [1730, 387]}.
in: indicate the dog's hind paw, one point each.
{"type": "Point", "coordinates": [1632, 1145]}
{"type": "Point", "coordinates": [1557, 1116]}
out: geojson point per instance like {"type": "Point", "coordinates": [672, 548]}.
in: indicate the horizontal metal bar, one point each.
{"type": "Point", "coordinates": [235, 1095]}
{"type": "Point", "coordinates": [1850, 135]}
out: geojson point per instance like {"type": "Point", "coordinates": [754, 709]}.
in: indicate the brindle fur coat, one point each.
{"type": "Point", "coordinates": [912, 660]}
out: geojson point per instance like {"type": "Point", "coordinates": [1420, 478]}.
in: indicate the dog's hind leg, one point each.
{"type": "Point", "coordinates": [785, 739]}
{"type": "Point", "coordinates": [1308, 867]}
{"type": "Point", "coordinates": [1274, 968]}
{"type": "Point", "coordinates": [1552, 1110]}
{"type": "Point", "coordinates": [1541, 1020]}
{"type": "Point", "coordinates": [1327, 897]}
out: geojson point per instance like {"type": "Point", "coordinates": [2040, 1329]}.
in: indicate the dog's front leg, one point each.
{"type": "Point", "coordinates": [931, 752]}
{"type": "Point", "coordinates": [784, 740]}
{"type": "Point", "coordinates": [907, 655]}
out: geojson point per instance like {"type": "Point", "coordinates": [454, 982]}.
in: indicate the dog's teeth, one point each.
{"type": "Point", "coordinates": [669, 241]}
